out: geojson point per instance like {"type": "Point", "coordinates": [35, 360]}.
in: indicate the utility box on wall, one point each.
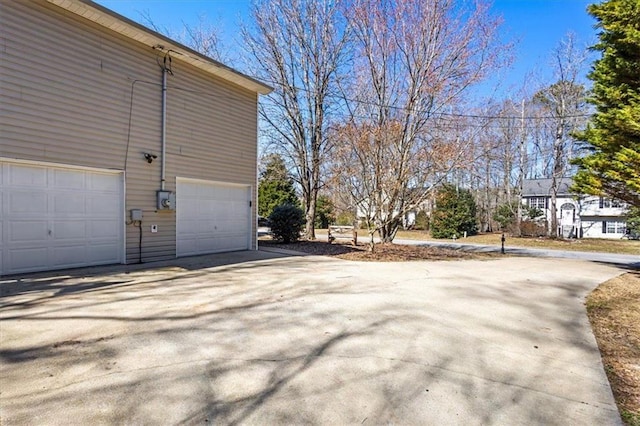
{"type": "Point", "coordinates": [166, 200]}
{"type": "Point", "coordinates": [136, 215]}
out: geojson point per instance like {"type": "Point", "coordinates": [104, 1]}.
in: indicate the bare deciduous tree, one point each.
{"type": "Point", "coordinates": [414, 59]}
{"type": "Point", "coordinates": [202, 36]}
{"type": "Point", "coordinates": [564, 101]}
{"type": "Point", "coordinates": [299, 47]}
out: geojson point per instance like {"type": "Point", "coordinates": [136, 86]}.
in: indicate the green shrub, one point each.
{"type": "Point", "coordinates": [325, 215]}
{"type": "Point", "coordinates": [454, 214]}
{"type": "Point", "coordinates": [505, 215]}
{"type": "Point", "coordinates": [533, 213]}
{"type": "Point", "coordinates": [345, 218]}
{"type": "Point", "coordinates": [422, 221]}
{"type": "Point", "coordinates": [286, 221]}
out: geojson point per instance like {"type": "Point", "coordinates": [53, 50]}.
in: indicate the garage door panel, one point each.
{"type": "Point", "coordinates": [104, 183]}
{"type": "Point", "coordinates": [206, 207]}
{"type": "Point", "coordinates": [103, 206]}
{"type": "Point", "coordinates": [69, 230]}
{"type": "Point", "coordinates": [190, 227]}
{"type": "Point", "coordinates": [104, 229]}
{"type": "Point", "coordinates": [216, 220]}
{"type": "Point", "coordinates": [56, 217]}
{"type": "Point", "coordinates": [28, 259]}
{"type": "Point", "coordinates": [204, 244]}
{"type": "Point", "coordinates": [186, 245]}
{"type": "Point", "coordinates": [236, 243]}
{"type": "Point", "coordinates": [188, 190]}
{"type": "Point", "coordinates": [27, 203]}
{"type": "Point", "coordinates": [206, 226]}
{"type": "Point", "coordinates": [27, 231]}
{"type": "Point", "coordinates": [67, 179]}
{"type": "Point", "coordinates": [105, 253]}
{"type": "Point", "coordinates": [27, 176]}
{"type": "Point", "coordinates": [69, 256]}
{"type": "Point", "coordinates": [69, 203]}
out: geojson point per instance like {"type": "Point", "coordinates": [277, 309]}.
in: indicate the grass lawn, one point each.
{"type": "Point", "coordinates": [586, 244]}
{"type": "Point", "coordinates": [614, 312]}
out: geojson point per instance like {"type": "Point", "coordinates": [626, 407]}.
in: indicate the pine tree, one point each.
{"type": "Point", "coordinates": [325, 212]}
{"type": "Point", "coordinates": [275, 187]}
{"type": "Point", "coordinates": [454, 214]}
{"type": "Point", "coordinates": [612, 166]}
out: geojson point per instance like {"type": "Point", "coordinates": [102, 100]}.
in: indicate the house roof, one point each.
{"type": "Point", "coordinates": [542, 187]}
{"type": "Point", "coordinates": [128, 28]}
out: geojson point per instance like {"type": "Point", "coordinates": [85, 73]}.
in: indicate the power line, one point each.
{"type": "Point", "coordinates": [435, 113]}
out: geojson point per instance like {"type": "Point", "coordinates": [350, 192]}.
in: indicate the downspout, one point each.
{"type": "Point", "coordinates": [163, 136]}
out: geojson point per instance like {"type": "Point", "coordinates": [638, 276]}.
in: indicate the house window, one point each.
{"type": "Point", "coordinates": [538, 203]}
{"type": "Point", "coordinates": [611, 227]}
{"type": "Point", "coordinates": [606, 203]}
{"type": "Point", "coordinates": [567, 206]}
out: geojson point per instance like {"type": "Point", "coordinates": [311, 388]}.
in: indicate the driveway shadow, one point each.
{"type": "Point", "coordinates": [291, 340]}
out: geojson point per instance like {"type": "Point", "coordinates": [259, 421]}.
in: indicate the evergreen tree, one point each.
{"type": "Point", "coordinates": [633, 221]}
{"type": "Point", "coordinates": [287, 221]}
{"type": "Point", "coordinates": [505, 215]}
{"type": "Point", "coordinates": [612, 166]}
{"type": "Point", "coordinates": [325, 215]}
{"type": "Point", "coordinates": [275, 187]}
{"type": "Point", "coordinates": [454, 214]}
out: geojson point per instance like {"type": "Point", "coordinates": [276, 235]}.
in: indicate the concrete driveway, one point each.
{"type": "Point", "coordinates": [253, 338]}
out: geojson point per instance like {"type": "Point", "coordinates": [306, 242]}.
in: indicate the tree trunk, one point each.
{"type": "Point", "coordinates": [553, 210]}
{"type": "Point", "coordinates": [556, 176]}
{"type": "Point", "coordinates": [389, 230]}
{"type": "Point", "coordinates": [521, 163]}
{"type": "Point", "coordinates": [310, 214]}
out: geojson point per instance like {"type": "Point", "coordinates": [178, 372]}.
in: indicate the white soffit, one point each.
{"type": "Point", "coordinates": [111, 20]}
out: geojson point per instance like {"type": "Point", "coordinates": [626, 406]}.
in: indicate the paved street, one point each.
{"type": "Point", "coordinates": [625, 260]}
{"type": "Point", "coordinates": [258, 338]}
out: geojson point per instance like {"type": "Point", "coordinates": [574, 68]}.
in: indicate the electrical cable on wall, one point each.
{"type": "Point", "coordinates": [138, 224]}
{"type": "Point", "coordinates": [165, 67]}
{"type": "Point", "coordinates": [139, 241]}
{"type": "Point", "coordinates": [130, 118]}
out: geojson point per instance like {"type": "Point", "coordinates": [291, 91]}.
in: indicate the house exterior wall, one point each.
{"type": "Point", "coordinates": [75, 93]}
{"type": "Point", "coordinates": [602, 218]}
{"type": "Point", "coordinates": [596, 206]}
{"type": "Point", "coordinates": [568, 218]}
{"type": "Point", "coordinates": [612, 227]}
{"type": "Point", "coordinates": [592, 217]}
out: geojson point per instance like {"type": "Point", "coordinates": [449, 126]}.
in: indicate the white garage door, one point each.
{"type": "Point", "coordinates": [212, 217]}
{"type": "Point", "coordinates": [55, 217]}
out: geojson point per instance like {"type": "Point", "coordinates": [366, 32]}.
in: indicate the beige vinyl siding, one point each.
{"type": "Point", "coordinates": [219, 145]}
{"type": "Point", "coordinates": [66, 87]}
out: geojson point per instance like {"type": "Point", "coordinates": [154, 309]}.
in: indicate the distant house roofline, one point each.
{"type": "Point", "coordinates": [135, 31]}
{"type": "Point", "coordinates": [542, 187]}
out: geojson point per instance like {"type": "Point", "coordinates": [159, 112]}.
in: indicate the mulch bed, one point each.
{"type": "Point", "coordinates": [361, 252]}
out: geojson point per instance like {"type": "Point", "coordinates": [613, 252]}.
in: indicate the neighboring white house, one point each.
{"type": "Point", "coordinates": [364, 210]}
{"type": "Point", "coordinates": [578, 216]}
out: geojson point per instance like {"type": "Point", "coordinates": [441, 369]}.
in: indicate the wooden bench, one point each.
{"type": "Point", "coordinates": [342, 231]}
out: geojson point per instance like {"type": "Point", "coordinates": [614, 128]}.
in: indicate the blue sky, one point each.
{"type": "Point", "coordinates": [537, 26]}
